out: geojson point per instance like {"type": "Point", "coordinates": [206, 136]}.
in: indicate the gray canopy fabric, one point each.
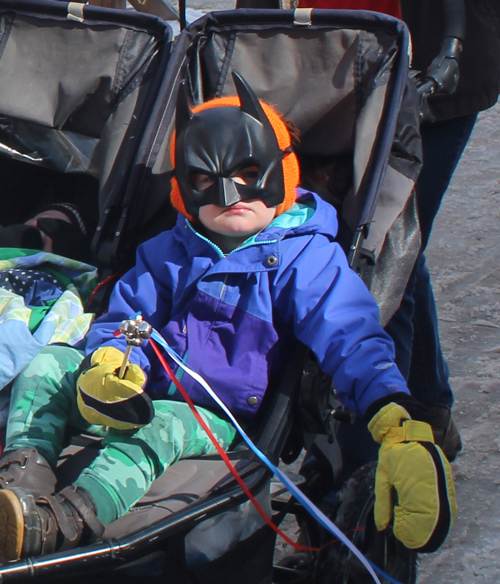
{"type": "Point", "coordinates": [76, 82]}
{"type": "Point", "coordinates": [89, 95]}
{"type": "Point", "coordinates": [337, 83]}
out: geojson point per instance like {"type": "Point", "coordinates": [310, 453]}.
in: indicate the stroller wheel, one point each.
{"type": "Point", "coordinates": [353, 514]}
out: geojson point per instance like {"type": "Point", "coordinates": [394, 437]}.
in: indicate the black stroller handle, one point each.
{"type": "Point", "coordinates": [444, 71]}
{"type": "Point", "coordinates": [454, 19]}
{"type": "Point", "coordinates": [182, 14]}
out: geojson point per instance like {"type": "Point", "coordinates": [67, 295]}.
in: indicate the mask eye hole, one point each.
{"type": "Point", "coordinates": [246, 176]}
{"type": "Point", "coordinates": [201, 182]}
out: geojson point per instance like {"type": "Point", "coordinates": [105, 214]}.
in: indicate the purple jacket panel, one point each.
{"type": "Point", "coordinates": [233, 317]}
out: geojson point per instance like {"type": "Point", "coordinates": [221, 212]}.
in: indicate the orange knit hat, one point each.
{"type": "Point", "coordinates": [290, 163]}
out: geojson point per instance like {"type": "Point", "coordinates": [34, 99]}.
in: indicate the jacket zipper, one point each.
{"type": "Point", "coordinates": [218, 249]}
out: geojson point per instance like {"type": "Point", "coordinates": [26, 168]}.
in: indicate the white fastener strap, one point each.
{"type": "Point", "coordinates": [302, 16]}
{"type": "Point", "coordinates": [75, 11]}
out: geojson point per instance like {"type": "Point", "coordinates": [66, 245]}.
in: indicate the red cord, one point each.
{"type": "Point", "coordinates": [230, 465]}
{"type": "Point", "coordinates": [225, 457]}
{"type": "Point", "coordinates": [100, 285]}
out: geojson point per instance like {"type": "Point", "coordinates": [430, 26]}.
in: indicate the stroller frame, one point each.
{"type": "Point", "coordinates": [133, 205]}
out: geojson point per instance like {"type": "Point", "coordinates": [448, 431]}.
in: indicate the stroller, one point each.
{"type": "Point", "coordinates": [89, 114]}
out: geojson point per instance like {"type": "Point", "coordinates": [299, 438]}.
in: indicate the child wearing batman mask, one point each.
{"type": "Point", "coordinates": [251, 265]}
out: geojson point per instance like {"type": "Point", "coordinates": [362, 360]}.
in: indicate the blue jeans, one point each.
{"type": "Point", "coordinates": [414, 327]}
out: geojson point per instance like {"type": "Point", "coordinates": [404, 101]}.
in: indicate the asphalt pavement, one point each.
{"type": "Point", "coordinates": [464, 254]}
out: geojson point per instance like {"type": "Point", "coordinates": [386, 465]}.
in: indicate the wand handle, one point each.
{"type": "Point", "coordinates": [123, 368]}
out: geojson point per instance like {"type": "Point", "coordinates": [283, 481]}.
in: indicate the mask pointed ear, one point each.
{"type": "Point", "coordinates": [183, 111]}
{"type": "Point", "coordinates": [249, 101]}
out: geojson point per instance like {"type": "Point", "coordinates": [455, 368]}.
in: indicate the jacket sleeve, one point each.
{"type": "Point", "coordinates": [333, 313]}
{"type": "Point", "coordinates": [145, 289]}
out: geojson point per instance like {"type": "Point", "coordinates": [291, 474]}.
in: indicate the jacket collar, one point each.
{"type": "Point", "coordinates": [309, 215]}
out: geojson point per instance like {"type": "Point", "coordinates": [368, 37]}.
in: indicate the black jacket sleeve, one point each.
{"type": "Point", "coordinates": [479, 83]}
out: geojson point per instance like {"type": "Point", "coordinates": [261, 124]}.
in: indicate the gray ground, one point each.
{"type": "Point", "coordinates": [463, 255]}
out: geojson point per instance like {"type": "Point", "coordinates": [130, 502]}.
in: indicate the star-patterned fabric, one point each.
{"type": "Point", "coordinates": [21, 281]}
{"type": "Point", "coordinates": [42, 298]}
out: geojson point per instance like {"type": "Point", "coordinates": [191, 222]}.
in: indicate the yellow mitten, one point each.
{"type": "Point", "coordinates": [105, 399]}
{"type": "Point", "coordinates": [413, 468]}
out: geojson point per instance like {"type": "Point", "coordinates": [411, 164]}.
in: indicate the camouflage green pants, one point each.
{"type": "Point", "coordinates": [44, 405]}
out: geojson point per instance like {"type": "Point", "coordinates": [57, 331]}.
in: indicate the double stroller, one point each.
{"type": "Point", "coordinates": [87, 108]}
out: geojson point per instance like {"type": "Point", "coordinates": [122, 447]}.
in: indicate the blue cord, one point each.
{"type": "Point", "coordinates": [294, 490]}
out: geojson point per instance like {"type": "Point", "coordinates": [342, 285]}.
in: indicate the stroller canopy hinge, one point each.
{"type": "Point", "coordinates": [75, 11]}
{"type": "Point", "coordinates": [302, 16]}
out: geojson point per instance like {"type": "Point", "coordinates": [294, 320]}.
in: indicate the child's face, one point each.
{"type": "Point", "coordinates": [230, 226]}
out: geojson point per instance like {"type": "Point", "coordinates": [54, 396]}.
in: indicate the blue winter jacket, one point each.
{"type": "Point", "coordinates": [234, 317]}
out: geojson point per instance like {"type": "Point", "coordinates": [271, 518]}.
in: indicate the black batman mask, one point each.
{"type": "Point", "coordinates": [227, 154]}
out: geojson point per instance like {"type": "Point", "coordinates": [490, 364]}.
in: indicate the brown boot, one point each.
{"type": "Point", "coordinates": [26, 468]}
{"type": "Point", "coordinates": [446, 434]}
{"type": "Point", "coordinates": [51, 523]}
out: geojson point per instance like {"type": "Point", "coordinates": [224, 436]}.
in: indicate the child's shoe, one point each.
{"type": "Point", "coordinates": [27, 468]}
{"type": "Point", "coordinates": [51, 523]}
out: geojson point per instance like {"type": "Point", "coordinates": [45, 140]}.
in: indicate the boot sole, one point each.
{"type": "Point", "coordinates": [11, 526]}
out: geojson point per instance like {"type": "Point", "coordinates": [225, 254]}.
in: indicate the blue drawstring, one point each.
{"type": "Point", "coordinates": [294, 490]}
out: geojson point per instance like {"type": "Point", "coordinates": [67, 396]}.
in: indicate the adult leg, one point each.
{"type": "Point", "coordinates": [414, 327]}
{"type": "Point", "coordinates": [443, 144]}
{"type": "Point", "coordinates": [428, 378]}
